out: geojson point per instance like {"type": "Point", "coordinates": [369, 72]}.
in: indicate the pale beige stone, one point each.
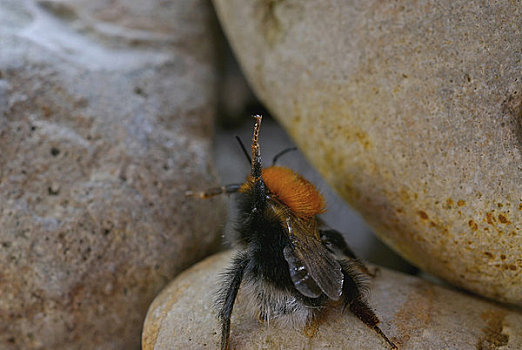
{"type": "Point", "coordinates": [415, 314]}
{"type": "Point", "coordinates": [412, 111]}
{"type": "Point", "coordinates": [104, 123]}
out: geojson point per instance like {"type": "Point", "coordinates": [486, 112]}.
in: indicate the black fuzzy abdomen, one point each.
{"type": "Point", "coordinates": [266, 254]}
{"type": "Point", "coordinates": [262, 233]}
{"type": "Point", "coordinates": [265, 239]}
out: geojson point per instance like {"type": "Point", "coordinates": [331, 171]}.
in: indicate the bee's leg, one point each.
{"type": "Point", "coordinates": [227, 295]}
{"type": "Point", "coordinates": [211, 192]}
{"type": "Point", "coordinates": [353, 289]}
{"type": "Point", "coordinates": [335, 242]}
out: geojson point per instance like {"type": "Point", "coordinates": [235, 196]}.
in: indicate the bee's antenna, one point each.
{"type": "Point", "coordinates": [283, 152]}
{"type": "Point", "coordinates": [256, 151]}
{"type": "Point", "coordinates": [244, 149]}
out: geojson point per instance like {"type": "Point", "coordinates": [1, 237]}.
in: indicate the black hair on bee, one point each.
{"type": "Point", "coordinates": [288, 261]}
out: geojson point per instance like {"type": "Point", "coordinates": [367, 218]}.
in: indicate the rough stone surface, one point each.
{"type": "Point", "coordinates": [412, 112]}
{"type": "Point", "coordinates": [106, 114]}
{"type": "Point", "coordinates": [414, 313]}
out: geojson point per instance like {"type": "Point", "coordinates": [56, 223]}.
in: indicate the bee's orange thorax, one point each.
{"type": "Point", "coordinates": [291, 189]}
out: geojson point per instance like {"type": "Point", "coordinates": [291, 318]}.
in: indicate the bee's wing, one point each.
{"type": "Point", "coordinates": [313, 269]}
{"type": "Point", "coordinates": [300, 276]}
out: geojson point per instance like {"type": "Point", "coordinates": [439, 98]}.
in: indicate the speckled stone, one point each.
{"type": "Point", "coordinates": [415, 314]}
{"type": "Point", "coordinates": [412, 111]}
{"type": "Point", "coordinates": [106, 112]}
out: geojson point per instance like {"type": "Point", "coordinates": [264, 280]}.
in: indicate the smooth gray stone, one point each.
{"type": "Point", "coordinates": [106, 113]}
{"type": "Point", "coordinates": [414, 313]}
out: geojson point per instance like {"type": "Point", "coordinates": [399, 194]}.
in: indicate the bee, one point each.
{"type": "Point", "coordinates": [288, 261]}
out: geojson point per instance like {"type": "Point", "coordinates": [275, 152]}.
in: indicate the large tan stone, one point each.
{"type": "Point", "coordinates": [414, 313]}
{"type": "Point", "coordinates": [412, 111]}
{"type": "Point", "coordinates": [104, 123]}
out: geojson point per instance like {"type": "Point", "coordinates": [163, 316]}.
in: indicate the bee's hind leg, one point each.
{"type": "Point", "coordinates": [353, 292]}
{"type": "Point", "coordinates": [335, 242]}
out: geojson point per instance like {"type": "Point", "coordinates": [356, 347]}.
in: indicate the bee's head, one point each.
{"type": "Point", "coordinates": [282, 184]}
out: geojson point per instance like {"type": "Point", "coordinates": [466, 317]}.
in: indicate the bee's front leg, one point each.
{"type": "Point", "coordinates": [211, 192]}
{"type": "Point", "coordinates": [227, 295]}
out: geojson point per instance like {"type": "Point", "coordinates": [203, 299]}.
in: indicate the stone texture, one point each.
{"type": "Point", "coordinates": [414, 313]}
{"type": "Point", "coordinates": [106, 111]}
{"type": "Point", "coordinates": [412, 112]}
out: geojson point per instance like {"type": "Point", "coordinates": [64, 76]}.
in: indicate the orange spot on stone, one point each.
{"type": "Point", "coordinates": [461, 203]}
{"type": "Point", "coordinates": [415, 314]}
{"type": "Point", "coordinates": [423, 214]}
{"type": "Point", "coordinates": [489, 255]}
{"type": "Point", "coordinates": [362, 137]}
{"type": "Point", "coordinates": [493, 334]}
{"type": "Point", "coordinates": [449, 202]}
{"type": "Point", "coordinates": [490, 218]}
{"type": "Point", "coordinates": [503, 219]}
{"type": "Point", "coordinates": [47, 111]}
{"type": "Point", "coordinates": [473, 225]}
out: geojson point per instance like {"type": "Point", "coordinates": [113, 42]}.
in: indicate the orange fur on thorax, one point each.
{"type": "Point", "coordinates": [293, 190]}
